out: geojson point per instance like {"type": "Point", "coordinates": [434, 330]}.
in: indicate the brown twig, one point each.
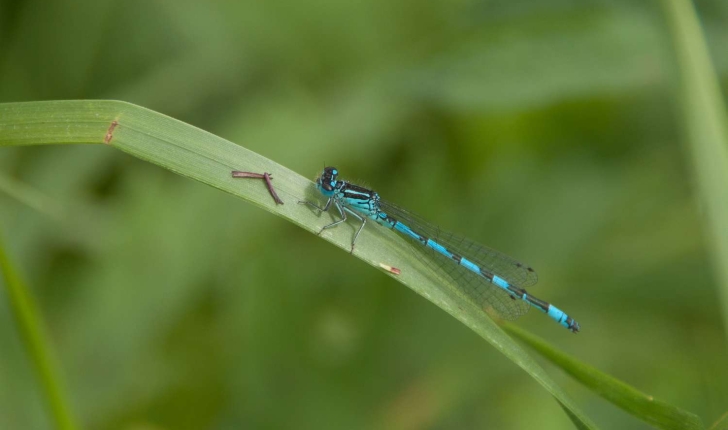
{"type": "Point", "coordinates": [265, 176]}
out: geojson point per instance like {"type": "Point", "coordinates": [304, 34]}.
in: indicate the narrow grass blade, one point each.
{"type": "Point", "coordinates": [199, 155]}
{"type": "Point", "coordinates": [642, 406]}
{"type": "Point", "coordinates": [30, 325]}
{"type": "Point", "coordinates": [29, 196]}
{"type": "Point", "coordinates": [721, 424]}
{"type": "Point", "coordinates": [706, 123]}
{"type": "Point", "coordinates": [578, 424]}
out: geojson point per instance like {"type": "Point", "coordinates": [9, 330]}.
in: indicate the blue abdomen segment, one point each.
{"type": "Point", "coordinates": [513, 291]}
{"type": "Point", "coordinates": [560, 317]}
{"type": "Point", "coordinates": [406, 230]}
{"type": "Point", "coordinates": [552, 311]}
{"type": "Point", "coordinates": [501, 282]}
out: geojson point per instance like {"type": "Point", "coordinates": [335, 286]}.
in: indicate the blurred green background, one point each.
{"type": "Point", "coordinates": [547, 129]}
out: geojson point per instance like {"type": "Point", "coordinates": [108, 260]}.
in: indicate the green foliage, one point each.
{"type": "Point", "coordinates": [643, 406]}
{"type": "Point", "coordinates": [29, 323]}
{"type": "Point", "coordinates": [706, 121]}
{"type": "Point", "coordinates": [545, 129]}
{"type": "Point", "coordinates": [199, 155]}
{"type": "Point", "coordinates": [721, 424]}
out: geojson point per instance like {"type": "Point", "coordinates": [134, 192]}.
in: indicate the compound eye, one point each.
{"type": "Point", "coordinates": [331, 172]}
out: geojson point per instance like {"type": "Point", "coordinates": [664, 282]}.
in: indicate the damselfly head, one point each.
{"type": "Point", "coordinates": [327, 180]}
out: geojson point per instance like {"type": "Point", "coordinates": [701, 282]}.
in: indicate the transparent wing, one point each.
{"type": "Point", "coordinates": [488, 296]}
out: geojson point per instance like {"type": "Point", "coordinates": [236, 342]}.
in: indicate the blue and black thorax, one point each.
{"type": "Point", "coordinates": [353, 196]}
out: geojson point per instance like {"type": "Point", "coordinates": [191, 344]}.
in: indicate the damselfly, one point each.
{"type": "Point", "coordinates": [493, 280]}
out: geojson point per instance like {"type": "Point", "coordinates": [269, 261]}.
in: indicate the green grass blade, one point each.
{"type": "Point", "coordinates": [705, 120]}
{"type": "Point", "coordinates": [29, 324]}
{"type": "Point", "coordinates": [29, 196]}
{"type": "Point", "coordinates": [578, 424]}
{"type": "Point", "coordinates": [196, 154]}
{"type": "Point", "coordinates": [721, 424]}
{"type": "Point", "coordinates": [642, 406]}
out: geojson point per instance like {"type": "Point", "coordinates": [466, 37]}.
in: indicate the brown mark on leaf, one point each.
{"type": "Point", "coordinates": [110, 132]}
{"type": "Point", "coordinates": [390, 269]}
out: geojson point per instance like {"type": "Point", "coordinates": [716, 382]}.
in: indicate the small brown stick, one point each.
{"type": "Point", "coordinates": [265, 176]}
{"type": "Point", "coordinates": [110, 132]}
{"type": "Point", "coordinates": [390, 269]}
